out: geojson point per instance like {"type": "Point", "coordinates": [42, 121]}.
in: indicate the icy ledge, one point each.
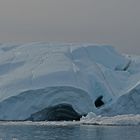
{"type": "Point", "coordinates": [123, 120]}
{"type": "Point", "coordinates": [90, 119]}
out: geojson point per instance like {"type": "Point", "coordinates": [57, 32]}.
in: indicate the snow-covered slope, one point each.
{"type": "Point", "coordinates": [36, 76]}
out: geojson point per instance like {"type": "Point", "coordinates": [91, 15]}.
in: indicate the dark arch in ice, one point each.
{"type": "Point", "coordinates": [98, 102]}
{"type": "Point", "coordinates": [61, 112]}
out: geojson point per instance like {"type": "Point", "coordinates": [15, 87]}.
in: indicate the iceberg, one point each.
{"type": "Point", "coordinates": [44, 81]}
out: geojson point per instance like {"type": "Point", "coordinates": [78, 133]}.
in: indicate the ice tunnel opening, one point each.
{"type": "Point", "coordinates": [61, 112]}
{"type": "Point", "coordinates": [98, 102]}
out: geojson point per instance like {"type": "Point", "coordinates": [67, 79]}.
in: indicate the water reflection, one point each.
{"type": "Point", "coordinates": [70, 132]}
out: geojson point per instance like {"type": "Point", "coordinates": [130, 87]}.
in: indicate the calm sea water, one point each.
{"type": "Point", "coordinates": [68, 132]}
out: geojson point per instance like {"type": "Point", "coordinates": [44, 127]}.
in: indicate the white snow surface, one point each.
{"type": "Point", "coordinates": [38, 75]}
{"type": "Point", "coordinates": [123, 120]}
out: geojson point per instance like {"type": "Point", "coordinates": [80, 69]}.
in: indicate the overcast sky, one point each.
{"type": "Point", "coordinates": [113, 22]}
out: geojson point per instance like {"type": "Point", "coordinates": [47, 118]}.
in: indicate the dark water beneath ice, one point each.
{"type": "Point", "coordinates": [68, 132]}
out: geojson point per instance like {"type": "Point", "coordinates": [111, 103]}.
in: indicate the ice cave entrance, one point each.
{"type": "Point", "coordinates": [99, 102]}
{"type": "Point", "coordinates": [61, 112]}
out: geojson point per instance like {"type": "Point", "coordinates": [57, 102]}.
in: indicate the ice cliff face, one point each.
{"type": "Point", "coordinates": [128, 103]}
{"type": "Point", "coordinates": [40, 78]}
